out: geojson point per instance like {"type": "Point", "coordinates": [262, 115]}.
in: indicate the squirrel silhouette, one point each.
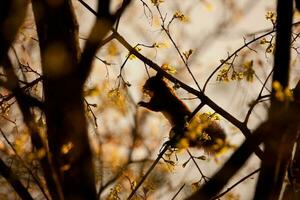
{"type": "Point", "coordinates": [164, 99]}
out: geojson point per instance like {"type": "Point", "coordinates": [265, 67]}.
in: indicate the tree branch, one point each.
{"type": "Point", "coordinates": [279, 143]}
{"type": "Point", "coordinates": [143, 178]}
{"type": "Point", "coordinates": [14, 11]}
{"type": "Point", "coordinates": [12, 14]}
{"type": "Point", "coordinates": [28, 118]}
{"type": "Point", "coordinates": [31, 101]}
{"type": "Point", "coordinates": [23, 89]}
{"type": "Point", "coordinates": [34, 177]}
{"type": "Point", "coordinates": [102, 26]}
{"type": "Point", "coordinates": [13, 180]}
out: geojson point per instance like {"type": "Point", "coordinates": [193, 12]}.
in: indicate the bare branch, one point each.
{"type": "Point", "coordinates": [13, 180]}
{"type": "Point", "coordinates": [143, 178]}
{"type": "Point", "coordinates": [174, 197]}
{"type": "Point", "coordinates": [24, 88]}
{"type": "Point", "coordinates": [279, 143]}
{"type": "Point", "coordinates": [167, 31]}
{"type": "Point", "coordinates": [28, 117]}
{"type": "Point", "coordinates": [103, 24]}
{"type": "Point", "coordinates": [36, 179]}
{"type": "Point", "coordinates": [238, 50]}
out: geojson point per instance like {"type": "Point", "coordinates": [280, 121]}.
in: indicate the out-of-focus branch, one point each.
{"type": "Point", "coordinates": [24, 88]}
{"type": "Point", "coordinates": [292, 190]}
{"type": "Point", "coordinates": [31, 101]}
{"type": "Point", "coordinates": [57, 29]}
{"type": "Point", "coordinates": [279, 142]}
{"type": "Point", "coordinates": [12, 14]}
{"type": "Point", "coordinates": [34, 177]}
{"type": "Point", "coordinates": [13, 180]}
{"type": "Point", "coordinates": [297, 4]}
{"type": "Point", "coordinates": [104, 22]}
{"type": "Point", "coordinates": [28, 117]}
{"type": "Point", "coordinates": [143, 178]}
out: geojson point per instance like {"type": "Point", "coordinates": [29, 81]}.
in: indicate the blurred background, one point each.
{"type": "Point", "coordinates": [126, 138]}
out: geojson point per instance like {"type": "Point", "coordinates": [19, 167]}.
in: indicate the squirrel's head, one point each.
{"type": "Point", "coordinates": [154, 83]}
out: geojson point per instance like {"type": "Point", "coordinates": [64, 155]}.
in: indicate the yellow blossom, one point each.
{"type": "Point", "coordinates": [263, 41]}
{"type": "Point", "coordinates": [114, 192]}
{"type": "Point", "coordinates": [160, 45]}
{"type": "Point", "coordinates": [168, 68]}
{"type": "Point", "coordinates": [249, 72]}
{"type": "Point", "coordinates": [118, 99]}
{"type": "Point", "coordinates": [208, 6]}
{"type": "Point", "coordinates": [270, 48]}
{"type": "Point", "coordinates": [282, 94]}
{"type": "Point", "coordinates": [65, 149]}
{"type": "Point", "coordinates": [183, 143]}
{"type": "Point", "coordinates": [112, 49]}
{"type": "Point", "coordinates": [288, 94]}
{"type": "Point", "coordinates": [179, 15]}
{"type": "Point", "coordinates": [270, 15]}
{"type": "Point", "coordinates": [65, 167]}
{"type": "Point", "coordinates": [41, 153]}
{"type": "Point", "coordinates": [279, 95]}
{"type": "Point", "coordinates": [223, 74]}
{"type": "Point", "coordinates": [277, 86]}
{"type": "Point", "coordinates": [132, 56]}
{"type": "Point", "coordinates": [156, 2]}
{"type": "Point", "coordinates": [188, 53]}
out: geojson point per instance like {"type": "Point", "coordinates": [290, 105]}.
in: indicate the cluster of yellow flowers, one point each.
{"type": "Point", "coordinates": [156, 2]}
{"type": "Point", "coordinates": [196, 129]}
{"type": "Point", "coordinates": [246, 72]}
{"type": "Point", "coordinates": [180, 16]}
{"type": "Point", "coordinates": [282, 94]}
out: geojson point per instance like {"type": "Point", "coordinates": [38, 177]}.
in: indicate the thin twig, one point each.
{"type": "Point", "coordinates": [193, 159]}
{"type": "Point", "coordinates": [178, 192]}
{"type": "Point", "coordinates": [257, 99]}
{"type": "Point", "coordinates": [233, 54]}
{"type": "Point", "coordinates": [13, 180]}
{"type": "Point", "coordinates": [160, 155]}
{"type": "Point", "coordinates": [36, 179]}
{"type": "Point", "coordinates": [167, 31]}
{"type": "Point", "coordinates": [238, 50]}
{"type": "Point", "coordinates": [27, 86]}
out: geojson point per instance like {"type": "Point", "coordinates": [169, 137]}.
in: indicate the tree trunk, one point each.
{"type": "Point", "coordinates": [64, 106]}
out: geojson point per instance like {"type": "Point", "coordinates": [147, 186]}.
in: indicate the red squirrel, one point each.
{"type": "Point", "coordinates": [164, 100]}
